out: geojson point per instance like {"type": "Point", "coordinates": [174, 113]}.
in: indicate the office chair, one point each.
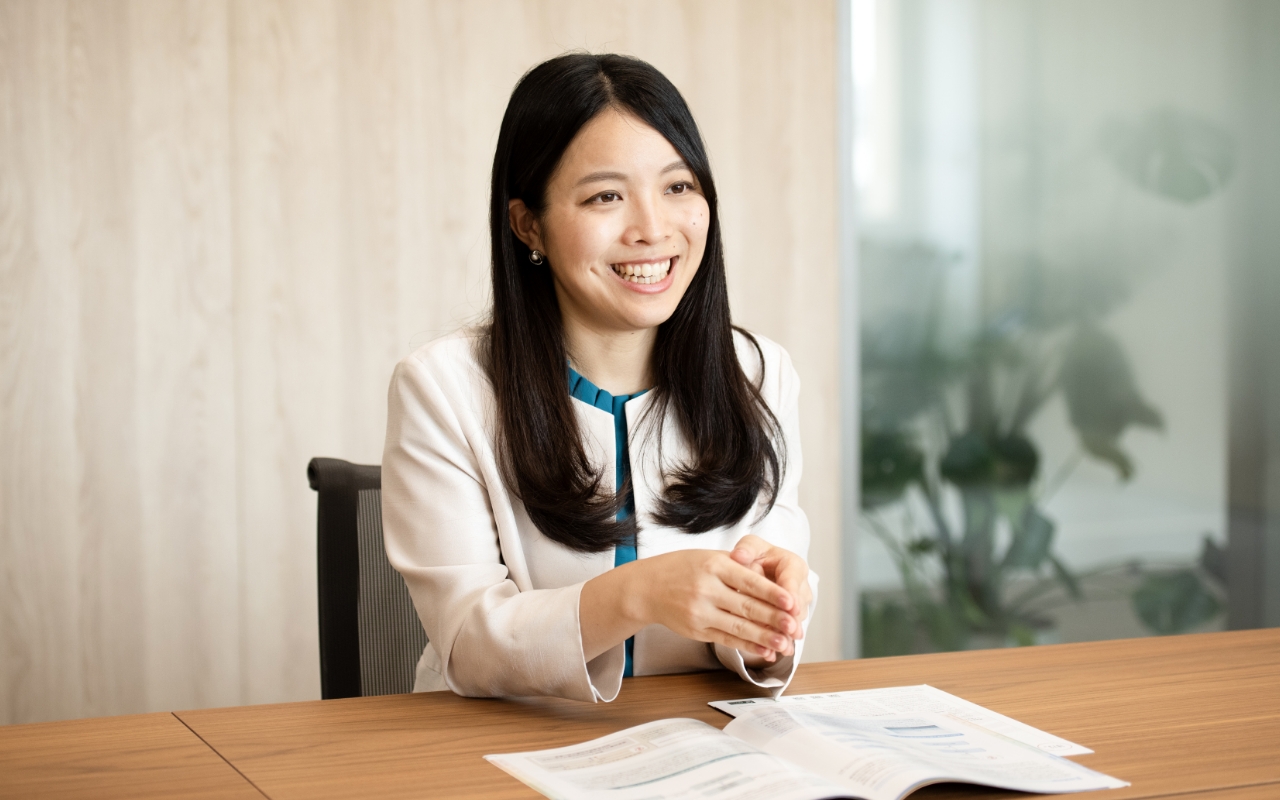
{"type": "Point", "coordinates": [370, 634]}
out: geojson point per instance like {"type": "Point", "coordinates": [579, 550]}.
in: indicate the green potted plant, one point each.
{"type": "Point", "coordinates": [945, 419]}
{"type": "Point", "coordinates": [950, 427]}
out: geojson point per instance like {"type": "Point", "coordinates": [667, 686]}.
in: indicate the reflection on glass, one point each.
{"type": "Point", "coordinates": [1047, 242]}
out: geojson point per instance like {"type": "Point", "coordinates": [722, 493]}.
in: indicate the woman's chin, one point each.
{"type": "Point", "coordinates": [645, 319]}
{"type": "Point", "coordinates": [650, 310]}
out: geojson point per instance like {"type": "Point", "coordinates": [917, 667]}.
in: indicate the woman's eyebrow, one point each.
{"type": "Point", "coordinates": [605, 175]}
{"type": "Point", "coordinates": [601, 176]}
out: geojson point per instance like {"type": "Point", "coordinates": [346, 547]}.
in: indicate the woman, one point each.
{"type": "Point", "coordinates": [602, 481]}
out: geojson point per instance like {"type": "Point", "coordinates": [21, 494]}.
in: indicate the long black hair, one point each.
{"type": "Point", "coordinates": [734, 440]}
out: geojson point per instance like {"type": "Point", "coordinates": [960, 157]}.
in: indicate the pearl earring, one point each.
{"type": "Point", "coordinates": [535, 257]}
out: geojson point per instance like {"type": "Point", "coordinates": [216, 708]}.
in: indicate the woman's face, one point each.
{"type": "Point", "coordinates": [623, 228]}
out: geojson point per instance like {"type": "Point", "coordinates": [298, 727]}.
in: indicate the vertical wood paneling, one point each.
{"type": "Point", "coordinates": [108, 551]}
{"type": "Point", "coordinates": [370, 101]}
{"type": "Point", "coordinates": [223, 221]}
{"type": "Point", "coordinates": [790, 278]}
{"type": "Point", "coordinates": [39, 503]}
{"type": "Point", "coordinates": [290, 313]}
{"type": "Point", "coordinates": [186, 412]}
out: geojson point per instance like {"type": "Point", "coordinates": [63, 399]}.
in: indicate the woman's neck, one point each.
{"type": "Point", "coordinates": [618, 362]}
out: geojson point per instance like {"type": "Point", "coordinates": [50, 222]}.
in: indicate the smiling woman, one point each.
{"type": "Point", "coordinates": [602, 481]}
{"type": "Point", "coordinates": [623, 226]}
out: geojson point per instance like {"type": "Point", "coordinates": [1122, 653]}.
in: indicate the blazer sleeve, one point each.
{"type": "Point", "coordinates": [785, 526]}
{"type": "Point", "coordinates": [492, 639]}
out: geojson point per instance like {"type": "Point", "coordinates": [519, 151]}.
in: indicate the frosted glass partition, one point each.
{"type": "Point", "coordinates": [1067, 220]}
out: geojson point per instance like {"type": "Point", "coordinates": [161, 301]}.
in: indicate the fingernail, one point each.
{"type": "Point", "coordinates": [778, 642]}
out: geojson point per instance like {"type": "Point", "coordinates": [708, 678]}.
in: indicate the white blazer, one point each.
{"type": "Point", "coordinates": [498, 600]}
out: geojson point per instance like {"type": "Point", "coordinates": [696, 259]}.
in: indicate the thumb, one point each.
{"type": "Point", "coordinates": [749, 549]}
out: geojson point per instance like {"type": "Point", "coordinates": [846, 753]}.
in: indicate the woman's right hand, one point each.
{"type": "Point", "coordinates": [707, 596]}
{"type": "Point", "coordinates": [700, 594]}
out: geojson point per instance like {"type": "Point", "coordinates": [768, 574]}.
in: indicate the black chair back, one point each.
{"type": "Point", "coordinates": [370, 634]}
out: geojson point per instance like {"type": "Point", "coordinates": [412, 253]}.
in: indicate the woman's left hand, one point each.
{"type": "Point", "coordinates": [781, 566]}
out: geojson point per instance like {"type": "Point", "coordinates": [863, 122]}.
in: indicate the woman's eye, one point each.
{"type": "Point", "coordinates": [607, 197]}
{"type": "Point", "coordinates": [682, 187]}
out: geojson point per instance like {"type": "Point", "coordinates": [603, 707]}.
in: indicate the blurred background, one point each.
{"type": "Point", "coordinates": [1024, 254]}
{"type": "Point", "coordinates": [1069, 263]}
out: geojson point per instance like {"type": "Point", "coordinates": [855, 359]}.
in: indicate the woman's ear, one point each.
{"type": "Point", "coordinates": [524, 224]}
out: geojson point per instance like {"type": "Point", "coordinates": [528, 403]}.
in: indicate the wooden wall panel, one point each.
{"type": "Point", "coordinates": [184, 342]}
{"type": "Point", "coordinates": [223, 221]}
{"type": "Point", "coordinates": [37, 449]}
{"type": "Point", "coordinates": [70, 485]}
{"type": "Point", "coordinates": [105, 563]}
{"type": "Point", "coordinates": [292, 319]}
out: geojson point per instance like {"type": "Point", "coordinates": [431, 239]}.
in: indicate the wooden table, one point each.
{"type": "Point", "coordinates": [138, 756]}
{"type": "Point", "coordinates": [1195, 717]}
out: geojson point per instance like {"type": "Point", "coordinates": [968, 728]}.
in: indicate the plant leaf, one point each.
{"type": "Point", "coordinates": [968, 460]}
{"type": "Point", "coordinates": [1213, 560]}
{"type": "Point", "coordinates": [1031, 541]}
{"type": "Point", "coordinates": [1102, 396]}
{"type": "Point", "coordinates": [1174, 603]}
{"type": "Point", "coordinates": [891, 461]}
{"type": "Point", "coordinates": [1173, 154]}
{"type": "Point", "coordinates": [1022, 635]}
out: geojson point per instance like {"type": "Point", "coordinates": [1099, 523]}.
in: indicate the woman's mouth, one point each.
{"type": "Point", "coordinates": [644, 273]}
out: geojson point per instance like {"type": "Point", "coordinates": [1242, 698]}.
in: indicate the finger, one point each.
{"type": "Point", "coordinates": [758, 635]}
{"type": "Point", "coordinates": [792, 574]}
{"type": "Point", "coordinates": [806, 598]}
{"type": "Point", "coordinates": [748, 607]}
{"type": "Point", "coordinates": [802, 612]}
{"type": "Point", "coordinates": [749, 582]}
{"type": "Point", "coordinates": [749, 549]}
{"type": "Point", "coordinates": [777, 564]}
{"type": "Point", "coordinates": [742, 645]}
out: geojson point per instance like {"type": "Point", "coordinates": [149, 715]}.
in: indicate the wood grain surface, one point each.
{"type": "Point", "coordinates": [1257, 791]}
{"type": "Point", "coordinates": [221, 224]}
{"type": "Point", "coordinates": [129, 757]}
{"type": "Point", "coordinates": [1172, 716]}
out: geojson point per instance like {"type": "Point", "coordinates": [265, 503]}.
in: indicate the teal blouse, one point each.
{"type": "Point", "coordinates": [589, 393]}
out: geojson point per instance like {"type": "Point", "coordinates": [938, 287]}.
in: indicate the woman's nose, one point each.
{"type": "Point", "coordinates": [649, 223]}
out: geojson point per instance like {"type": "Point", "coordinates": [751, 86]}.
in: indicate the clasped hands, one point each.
{"type": "Point", "coordinates": [753, 599]}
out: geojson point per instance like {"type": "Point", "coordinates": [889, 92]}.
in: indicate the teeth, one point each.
{"type": "Point", "coordinates": [644, 274]}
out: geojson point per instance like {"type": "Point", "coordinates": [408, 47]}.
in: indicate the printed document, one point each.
{"type": "Point", "coordinates": [829, 746]}
{"type": "Point", "coordinates": [897, 700]}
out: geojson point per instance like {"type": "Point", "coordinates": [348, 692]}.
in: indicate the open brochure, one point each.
{"type": "Point", "coordinates": [809, 747]}
{"type": "Point", "coordinates": [899, 700]}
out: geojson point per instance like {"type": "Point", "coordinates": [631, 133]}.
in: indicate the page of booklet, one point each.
{"type": "Point", "coordinates": [887, 757]}
{"type": "Point", "coordinates": [897, 700]}
{"type": "Point", "coordinates": [664, 760]}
